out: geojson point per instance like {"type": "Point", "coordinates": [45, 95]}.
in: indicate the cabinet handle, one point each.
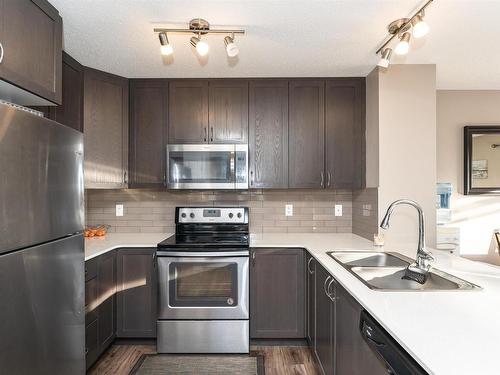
{"type": "Point", "coordinates": [154, 259]}
{"type": "Point", "coordinates": [125, 177]}
{"type": "Point", "coordinates": [324, 285]}
{"type": "Point", "coordinates": [86, 351]}
{"type": "Point", "coordinates": [308, 266]}
{"type": "Point", "coordinates": [328, 292]}
{"type": "Point", "coordinates": [328, 179]}
{"type": "Point", "coordinates": [1, 53]}
{"type": "Point", "coordinates": [164, 178]}
{"type": "Point", "coordinates": [205, 137]}
{"type": "Point", "coordinates": [211, 134]}
{"type": "Point", "coordinates": [251, 178]}
{"type": "Point", "coordinates": [253, 258]}
{"type": "Point", "coordinates": [322, 179]}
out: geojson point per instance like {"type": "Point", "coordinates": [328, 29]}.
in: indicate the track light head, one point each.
{"type": "Point", "coordinates": [231, 48]}
{"type": "Point", "coordinates": [165, 47]}
{"type": "Point", "coordinates": [385, 59]}
{"type": "Point", "coordinates": [403, 46]}
{"type": "Point", "coordinates": [201, 47]}
{"type": "Point", "coordinates": [420, 27]}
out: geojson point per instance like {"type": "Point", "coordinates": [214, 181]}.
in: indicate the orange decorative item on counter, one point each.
{"type": "Point", "coordinates": [97, 231]}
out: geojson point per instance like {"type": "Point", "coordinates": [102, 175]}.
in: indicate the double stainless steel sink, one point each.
{"type": "Point", "coordinates": [384, 272]}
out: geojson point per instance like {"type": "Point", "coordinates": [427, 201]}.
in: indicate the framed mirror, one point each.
{"type": "Point", "coordinates": [482, 159]}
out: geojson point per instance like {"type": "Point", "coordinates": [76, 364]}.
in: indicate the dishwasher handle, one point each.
{"type": "Point", "coordinates": [395, 358]}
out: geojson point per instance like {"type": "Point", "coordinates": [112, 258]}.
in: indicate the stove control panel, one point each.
{"type": "Point", "coordinates": [222, 215]}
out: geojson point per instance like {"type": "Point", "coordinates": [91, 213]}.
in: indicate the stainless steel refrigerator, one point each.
{"type": "Point", "coordinates": [42, 317]}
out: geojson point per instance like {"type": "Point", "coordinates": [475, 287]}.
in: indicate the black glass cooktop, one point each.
{"type": "Point", "coordinates": [206, 240]}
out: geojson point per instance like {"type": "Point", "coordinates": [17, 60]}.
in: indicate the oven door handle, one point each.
{"type": "Point", "coordinates": [200, 254]}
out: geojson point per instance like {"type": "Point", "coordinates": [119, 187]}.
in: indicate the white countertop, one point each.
{"type": "Point", "coordinates": [448, 333]}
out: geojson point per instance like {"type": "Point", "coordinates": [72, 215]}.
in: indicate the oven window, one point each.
{"type": "Point", "coordinates": [203, 284]}
{"type": "Point", "coordinates": [200, 167]}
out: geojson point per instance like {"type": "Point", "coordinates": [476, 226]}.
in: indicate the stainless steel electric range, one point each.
{"type": "Point", "coordinates": [203, 282]}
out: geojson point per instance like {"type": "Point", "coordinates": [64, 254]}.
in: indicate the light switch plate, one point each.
{"type": "Point", "coordinates": [338, 210]}
{"type": "Point", "coordinates": [289, 210]}
{"type": "Point", "coordinates": [119, 210]}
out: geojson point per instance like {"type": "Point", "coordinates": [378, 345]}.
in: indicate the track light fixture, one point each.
{"type": "Point", "coordinates": [165, 47]}
{"type": "Point", "coordinates": [404, 29]}
{"type": "Point", "coordinates": [231, 48]}
{"type": "Point", "coordinates": [199, 27]}
{"type": "Point", "coordinates": [385, 60]}
{"type": "Point", "coordinates": [201, 47]}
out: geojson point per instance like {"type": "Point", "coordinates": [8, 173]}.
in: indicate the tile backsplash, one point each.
{"type": "Point", "coordinates": [153, 211]}
{"type": "Point", "coordinates": [365, 212]}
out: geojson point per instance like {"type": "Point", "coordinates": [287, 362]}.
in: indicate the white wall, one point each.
{"type": "Point", "coordinates": [406, 144]}
{"type": "Point", "coordinates": [476, 216]}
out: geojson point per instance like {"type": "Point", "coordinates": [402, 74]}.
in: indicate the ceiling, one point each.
{"type": "Point", "coordinates": [288, 38]}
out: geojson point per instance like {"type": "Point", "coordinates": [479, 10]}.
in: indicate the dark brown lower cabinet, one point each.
{"type": "Point", "coordinates": [91, 343]}
{"type": "Point", "coordinates": [277, 293]}
{"type": "Point", "coordinates": [136, 293]}
{"type": "Point", "coordinates": [106, 275]}
{"type": "Point", "coordinates": [325, 322]}
{"type": "Point", "coordinates": [353, 356]}
{"type": "Point", "coordinates": [311, 300]}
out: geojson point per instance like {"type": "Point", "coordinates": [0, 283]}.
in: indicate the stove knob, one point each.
{"type": "Point", "coordinates": [191, 215]}
{"type": "Point", "coordinates": [239, 215]}
{"type": "Point", "coordinates": [183, 215]}
{"type": "Point", "coordinates": [231, 215]}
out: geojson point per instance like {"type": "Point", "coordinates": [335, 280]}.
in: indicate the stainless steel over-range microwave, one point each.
{"type": "Point", "coordinates": [207, 166]}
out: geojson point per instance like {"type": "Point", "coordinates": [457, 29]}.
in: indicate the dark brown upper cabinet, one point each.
{"type": "Point", "coordinates": [188, 112]}
{"type": "Point", "coordinates": [307, 131]}
{"type": "Point", "coordinates": [228, 111]}
{"type": "Point", "coordinates": [344, 133]}
{"type": "Point", "coordinates": [148, 132]}
{"type": "Point", "coordinates": [277, 293]}
{"type": "Point", "coordinates": [105, 130]}
{"type": "Point", "coordinates": [31, 40]}
{"type": "Point", "coordinates": [268, 134]}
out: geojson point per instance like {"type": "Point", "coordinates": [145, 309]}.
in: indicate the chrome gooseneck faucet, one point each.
{"type": "Point", "coordinates": [424, 257]}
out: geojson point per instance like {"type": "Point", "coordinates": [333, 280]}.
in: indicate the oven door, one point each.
{"type": "Point", "coordinates": [207, 166]}
{"type": "Point", "coordinates": [203, 286]}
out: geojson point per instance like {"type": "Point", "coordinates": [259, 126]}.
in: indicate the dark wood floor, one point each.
{"type": "Point", "coordinates": [278, 360]}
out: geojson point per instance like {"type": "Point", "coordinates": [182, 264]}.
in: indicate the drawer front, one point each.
{"type": "Point", "coordinates": [91, 344]}
{"type": "Point", "coordinates": [90, 269]}
{"type": "Point", "coordinates": [91, 301]}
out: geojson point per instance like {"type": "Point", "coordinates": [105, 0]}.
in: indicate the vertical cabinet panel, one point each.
{"type": "Point", "coordinates": [344, 133]}
{"type": "Point", "coordinates": [148, 132]}
{"type": "Point", "coordinates": [105, 130]}
{"type": "Point", "coordinates": [306, 126]}
{"type": "Point", "coordinates": [353, 355]}
{"type": "Point", "coordinates": [277, 293]}
{"type": "Point", "coordinates": [106, 274]}
{"type": "Point", "coordinates": [136, 293]}
{"type": "Point", "coordinates": [228, 111]}
{"type": "Point", "coordinates": [268, 134]}
{"type": "Point", "coordinates": [188, 111]}
{"type": "Point", "coordinates": [311, 300]}
{"type": "Point", "coordinates": [31, 36]}
{"type": "Point", "coordinates": [324, 322]}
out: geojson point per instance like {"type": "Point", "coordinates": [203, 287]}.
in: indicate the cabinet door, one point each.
{"type": "Point", "coordinates": [31, 37]}
{"type": "Point", "coordinates": [324, 321]}
{"type": "Point", "coordinates": [106, 274]}
{"type": "Point", "coordinates": [228, 111]}
{"type": "Point", "coordinates": [277, 293]}
{"type": "Point", "coordinates": [91, 343]}
{"type": "Point", "coordinates": [311, 301]}
{"type": "Point", "coordinates": [307, 128]}
{"type": "Point", "coordinates": [345, 128]}
{"type": "Point", "coordinates": [70, 112]}
{"type": "Point", "coordinates": [188, 111]}
{"type": "Point", "coordinates": [268, 134]}
{"type": "Point", "coordinates": [353, 355]}
{"type": "Point", "coordinates": [136, 293]}
{"type": "Point", "coordinates": [148, 132]}
{"type": "Point", "coordinates": [105, 130]}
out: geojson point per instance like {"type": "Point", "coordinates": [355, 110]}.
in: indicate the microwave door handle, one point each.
{"type": "Point", "coordinates": [232, 166]}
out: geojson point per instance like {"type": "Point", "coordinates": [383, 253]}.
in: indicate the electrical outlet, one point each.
{"type": "Point", "coordinates": [119, 210]}
{"type": "Point", "coordinates": [338, 210]}
{"type": "Point", "coordinates": [289, 210]}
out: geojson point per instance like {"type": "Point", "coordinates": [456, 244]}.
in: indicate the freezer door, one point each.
{"type": "Point", "coordinates": [41, 182]}
{"type": "Point", "coordinates": [42, 318]}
